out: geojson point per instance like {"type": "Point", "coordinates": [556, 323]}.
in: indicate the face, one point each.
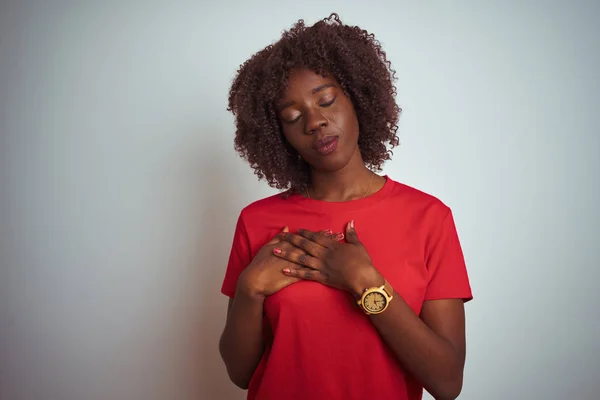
{"type": "Point", "coordinates": [319, 120]}
{"type": "Point", "coordinates": [374, 302]}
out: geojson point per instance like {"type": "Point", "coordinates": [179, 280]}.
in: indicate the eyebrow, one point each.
{"type": "Point", "coordinates": [319, 88]}
{"type": "Point", "coordinates": [313, 91]}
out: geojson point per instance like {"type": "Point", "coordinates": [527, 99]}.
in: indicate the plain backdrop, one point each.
{"type": "Point", "coordinates": [120, 186]}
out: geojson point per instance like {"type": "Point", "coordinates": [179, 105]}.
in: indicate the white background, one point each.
{"type": "Point", "coordinates": [120, 186]}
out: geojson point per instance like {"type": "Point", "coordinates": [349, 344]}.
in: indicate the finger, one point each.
{"type": "Point", "coordinates": [351, 236]}
{"type": "Point", "coordinates": [305, 273]}
{"type": "Point", "coordinates": [304, 243]}
{"type": "Point", "coordinates": [297, 257]}
{"type": "Point", "coordinates": [329, 233]}
{"type": "Point", "coordinates": [325, 239]}
{"type": "Point", "coordinates": [277, 238]}
{"type": "Point", "coordinates": [326, 232]}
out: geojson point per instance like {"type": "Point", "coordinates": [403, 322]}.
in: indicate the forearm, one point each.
{"type": "Point", "coordinates": [242, 344]}
{"type": "Point", "coordinates": [431, 359]}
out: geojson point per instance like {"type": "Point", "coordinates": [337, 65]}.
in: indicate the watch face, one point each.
{"type": "Point", "coordinates": [374, 302]}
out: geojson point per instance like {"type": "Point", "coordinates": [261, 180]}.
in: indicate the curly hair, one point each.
{"type": "Point", "coordinates": [349, 54]}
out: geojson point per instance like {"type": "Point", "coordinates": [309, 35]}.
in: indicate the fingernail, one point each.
{"type": "Point", "coordinates": [340, 236]}
{"type": "Point", "coordinates": [328, 232]}
{"type": "Point", "coordinates": [277, 251]}
{"type": "Point", "coordinates": [352, 224]}
{"type": "Point", "coordinates": [287, 271]}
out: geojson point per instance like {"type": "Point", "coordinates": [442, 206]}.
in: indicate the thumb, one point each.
{"type": "Point", "coordinates": [351, 236]}
{"type": "Point", "coordinates": [276, 239]}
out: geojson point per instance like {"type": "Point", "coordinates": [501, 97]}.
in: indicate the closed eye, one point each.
{"type": "Point", "coordinates": [324, 105]}
{"type": "Point", "coordinates": [294, 120]}
{"type": "Point", "coordinates": [327, 104]}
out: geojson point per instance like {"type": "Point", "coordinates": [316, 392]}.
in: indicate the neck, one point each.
{"type": "Point", "coordinates": [349, 183]}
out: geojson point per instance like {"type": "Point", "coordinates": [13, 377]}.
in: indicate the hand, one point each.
{"type": "Point", "coordinates": [263, 276]}
{"type": "Point", "coordinates": [318, 256]}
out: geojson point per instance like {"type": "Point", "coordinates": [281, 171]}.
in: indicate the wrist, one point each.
{"type": "Point", "coordinates": [247, 290]}
{"type": "Point", "coordinates": [368, 277]}
{"type": "Point", "coordinates": [250, 294]}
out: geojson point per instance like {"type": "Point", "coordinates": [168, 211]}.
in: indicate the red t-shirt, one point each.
{"type": "Point", "coordinates": [323, 346]}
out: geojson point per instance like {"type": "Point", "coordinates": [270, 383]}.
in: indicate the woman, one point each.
{"type": "Point", "coordinates": [348, 285]}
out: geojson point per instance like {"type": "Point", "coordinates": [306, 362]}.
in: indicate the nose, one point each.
{"type": "Point", "coordinates": [315, 120]}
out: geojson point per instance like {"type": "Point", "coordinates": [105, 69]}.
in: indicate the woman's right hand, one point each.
{"type": "Point", "coordinates": [264, 275]}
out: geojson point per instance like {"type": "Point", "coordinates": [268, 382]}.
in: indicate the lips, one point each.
{"type": "Point", "coordinates": [326, 144]}
{"type": "Point", "coordinates": [324, 141]}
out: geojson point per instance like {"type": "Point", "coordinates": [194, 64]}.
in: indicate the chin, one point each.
{"type": "Point", "coordinates": [330, 163]}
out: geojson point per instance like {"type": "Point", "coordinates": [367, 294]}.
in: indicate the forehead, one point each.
{"type": "Point", "coordinates": [304, 81]}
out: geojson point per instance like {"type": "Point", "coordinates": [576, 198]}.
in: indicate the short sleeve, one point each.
{"type": "Point", "coordinates": [240, 257]}
{"type": "Point", "coordinates": [448, 278]}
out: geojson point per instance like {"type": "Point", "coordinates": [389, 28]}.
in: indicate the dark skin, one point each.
{"type": "Point", "coordinates": [430, 346]}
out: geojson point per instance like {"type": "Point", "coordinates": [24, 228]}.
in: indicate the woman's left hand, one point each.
{"type": "Point", "coordinates": [321, 257]}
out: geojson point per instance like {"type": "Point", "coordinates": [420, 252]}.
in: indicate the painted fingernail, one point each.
{"type": "Point", "coordinates": [352, 224]}
{"type": "Point", "coordinates": [277, 251]}
{"type": "Point", "coordinates": [340, 236]}
{"type": "Point", "coordinates": [287, 271]}
{"type": "Point", "coordinates": [328, 232]}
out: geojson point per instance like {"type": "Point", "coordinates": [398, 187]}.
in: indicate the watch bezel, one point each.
{"type": "Point", "coordinates": [381, 290]}
{"type": "Point", "coordinates": [374, 293]}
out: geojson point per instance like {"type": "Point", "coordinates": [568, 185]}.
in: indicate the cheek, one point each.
{"type": "Point", "coordinates": [347, 125]}
{"type": "Point", "coordinates": [345, 118]}
{"type": "Point", "coordinates": [293, 137]}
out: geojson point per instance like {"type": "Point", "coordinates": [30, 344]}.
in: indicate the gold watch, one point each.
{"type": "Point", "coordinates": [376, 299]}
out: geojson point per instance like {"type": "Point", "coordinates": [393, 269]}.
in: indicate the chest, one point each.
{"type": "Point", "coordinates": [396, 247]}
{"type": "Point", "coordinates": [398, 257]}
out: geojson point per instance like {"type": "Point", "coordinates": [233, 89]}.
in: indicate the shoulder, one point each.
{"type": "Point", "coordinates": [418, 201]}
{"type": "Point", "coordinates": [257, 209]}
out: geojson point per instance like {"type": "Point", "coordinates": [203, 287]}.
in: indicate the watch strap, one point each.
{"type": "Point", "coordinates": [388, 289]}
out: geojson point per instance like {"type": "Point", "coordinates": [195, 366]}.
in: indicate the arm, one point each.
{"type": "Point", "coordinates": [242, 345]}
{"type": "Point", "coordinates": [242, 342]}
{"type": "Point", "coordinates": [432, 347]}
